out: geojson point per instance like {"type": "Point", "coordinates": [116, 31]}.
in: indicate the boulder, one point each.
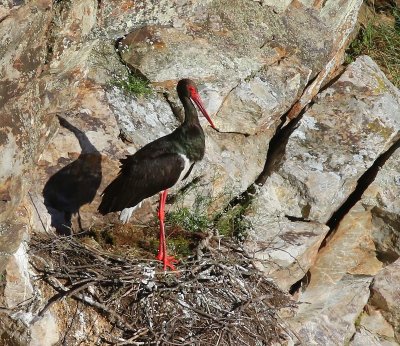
{"type": "Point", "coordinates": [212, 42]}
{"type": "Point", "coordinates": [336, 288]}
{"type": "Point", "coordinates": [373, 329]}
{"type": "Point", "coordinates": [381, 198]}
{"type": "Point", "coordinates": [360, 246]}
{"type": "Point", "coordinates": [385, 295]}
{"type": "Point", "coordinates": [284, 250]}
{"type": "Point", "coordinates": [326, 316]}
{"type": "Point", "coordinates": [350, 124]}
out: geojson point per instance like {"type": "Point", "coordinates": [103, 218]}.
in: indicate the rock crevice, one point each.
{"type": "Point", "coordinates": [366, 179]}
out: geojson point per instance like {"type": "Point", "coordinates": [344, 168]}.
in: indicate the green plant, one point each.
{"type": "Point", "coordinates": [189, 220]}
{"type": "Point", "coordinates": [181, 246]}
{"type": "Point", "coordinates": [133, 84]}
{"type": "Point", "coordinates": [381, 41]}
{"type": "Point", "coordinates": [195, 219]}
{"type": "Point", "coordinates": [233, 223]}
{"type": "Point", "coordinates": [230, 223]}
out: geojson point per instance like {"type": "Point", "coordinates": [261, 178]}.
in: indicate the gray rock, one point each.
{"type": "Point", "coordinates": [337, 284]}
{"type": "Point", "coordinates": [284, 250]}
{"type": "Point", "coordinates": [365, 239]}
{"type": "Point", "coordinates": [350, 124]}
{"type": "Point", "coordinates": [385, 295]}
{"type": "Point", "coordinates": [256, 104]}
{"type": "Point", "coordinates": [373, 329]}
{"type": "Point", "coordinates": [24, 127]}
{"type": "Point", "coordinates": [236, 46]}
{"type": "Point", "coordinates": [143, 119]}
{"type": "Point", "coordinates": [381, 198]}
{"type": "Point", "coordinates": [327, 317]}
{"type": "Point", "coordinates": [364, 337]}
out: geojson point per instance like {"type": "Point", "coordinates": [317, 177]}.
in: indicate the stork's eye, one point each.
{"type": "Point", "coordinates": [192, 90]}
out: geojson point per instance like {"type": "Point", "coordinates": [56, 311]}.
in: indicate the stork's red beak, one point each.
{"type": "Point", "coordinates": [196, 99]}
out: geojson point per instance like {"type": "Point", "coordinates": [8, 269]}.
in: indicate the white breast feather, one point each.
{"type": "Point", "coordinates": [185, 168]}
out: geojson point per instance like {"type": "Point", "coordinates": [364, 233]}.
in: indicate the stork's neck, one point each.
{"type": "Point", "coordinates": [191, 117]}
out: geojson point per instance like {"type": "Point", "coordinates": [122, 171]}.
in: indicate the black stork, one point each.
{"type": "Point", "coordinates": [158, 166]}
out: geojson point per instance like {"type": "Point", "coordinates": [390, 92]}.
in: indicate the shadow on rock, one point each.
{"type": "Point", "coordinates": [74, 185]}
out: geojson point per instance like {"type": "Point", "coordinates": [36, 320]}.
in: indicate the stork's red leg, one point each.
{"type": "Point", "coordinates": [168, 261]}
{"type": "Point", "coordinates": [161, 215]}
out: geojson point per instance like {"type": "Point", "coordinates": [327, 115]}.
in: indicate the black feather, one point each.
{"type": "Point", "coordinates": [140, 179]}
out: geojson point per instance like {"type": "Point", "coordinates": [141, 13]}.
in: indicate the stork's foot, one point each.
{"type": "Point", "coordinates": [168, 261]}
{"type": "Point", "coordinates": [159, 257]}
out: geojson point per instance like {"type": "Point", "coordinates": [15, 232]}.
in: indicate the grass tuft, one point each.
{"type": "Point", "coordinates": [134, 85]}
{"type": "Point", "coordinates": [381, 41]}
{"type": "Point", "coordinates": [231, 223]}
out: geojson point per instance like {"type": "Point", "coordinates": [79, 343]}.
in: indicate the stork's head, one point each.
{"type": "Point", "coordinates": [186, 88]}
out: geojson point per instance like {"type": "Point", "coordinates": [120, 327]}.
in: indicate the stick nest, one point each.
{"type": "Point", "coordinates": [218, 299]}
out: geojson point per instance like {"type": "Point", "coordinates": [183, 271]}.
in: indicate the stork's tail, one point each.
{"type": "Point", "coordinates": [116, 198]}
{"type": "Point", "coordinates": [113, 197]}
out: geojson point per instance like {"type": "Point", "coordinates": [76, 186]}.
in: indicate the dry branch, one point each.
{"type": "Point", "coordinates": [220, 299]}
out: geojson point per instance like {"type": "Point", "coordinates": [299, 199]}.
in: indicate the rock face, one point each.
{"type": "Point", "coordinates": [20, 142]}
{"type": "Point", "coordinates": [380, 323]}
{"type": "Point", "coordinates": [247, 86]}
{"type": "Point", "coordinates": [381, 199]}
{"type": "Point", "coordinates": [324, 157]}
{"type": "Point", "coordinates": [258, 65]}
{"type": "Point", "coordinates": [285, 250]}
{"type": "Point", "coordinates": [329, 320]}
{"type": "Point", "coordinates": [386, 295]}
{"type": "Point", "coordinates": [346, 265]}
{"type": "Point", "coordinates": [357, 252]}
{"type": "Point", "coordinates": [338, 138]}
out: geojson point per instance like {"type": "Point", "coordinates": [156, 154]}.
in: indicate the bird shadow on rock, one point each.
{"type": "Point", "coordinates": [74, 185]}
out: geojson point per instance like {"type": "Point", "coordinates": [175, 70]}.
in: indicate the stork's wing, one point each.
{"type": "Point", "coordinates": [139, 179]}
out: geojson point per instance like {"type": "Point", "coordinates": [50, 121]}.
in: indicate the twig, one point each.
{"type": "Point", "coordinates": [137, 335]}
{"type": "Point", "coordinates": [220, 299]}
{"type": "Point", "coordinates": [63, 294]}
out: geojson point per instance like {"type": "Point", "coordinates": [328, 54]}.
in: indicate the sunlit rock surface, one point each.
{"type": "Point", "coordinates": [381, 198]}
{"type": "Point", "coordinates": [285, 250]}
{"type": "Point", "coordinates": [337, 284]}
{"type": "Point", "coordinates": [350, 124]}
{"type": "Point", "coordinates": [237, 49]}
{"type": "Point", "coordinates": [385, 295]}
{"type": "Point", "coordinates": [363, 244]}
{"type": "Point", "coordinates": [329, 320]}
{"type": "Point", "coordinates": [373, 329]}
{"type": "Point", "coordinates": [381, 202]}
